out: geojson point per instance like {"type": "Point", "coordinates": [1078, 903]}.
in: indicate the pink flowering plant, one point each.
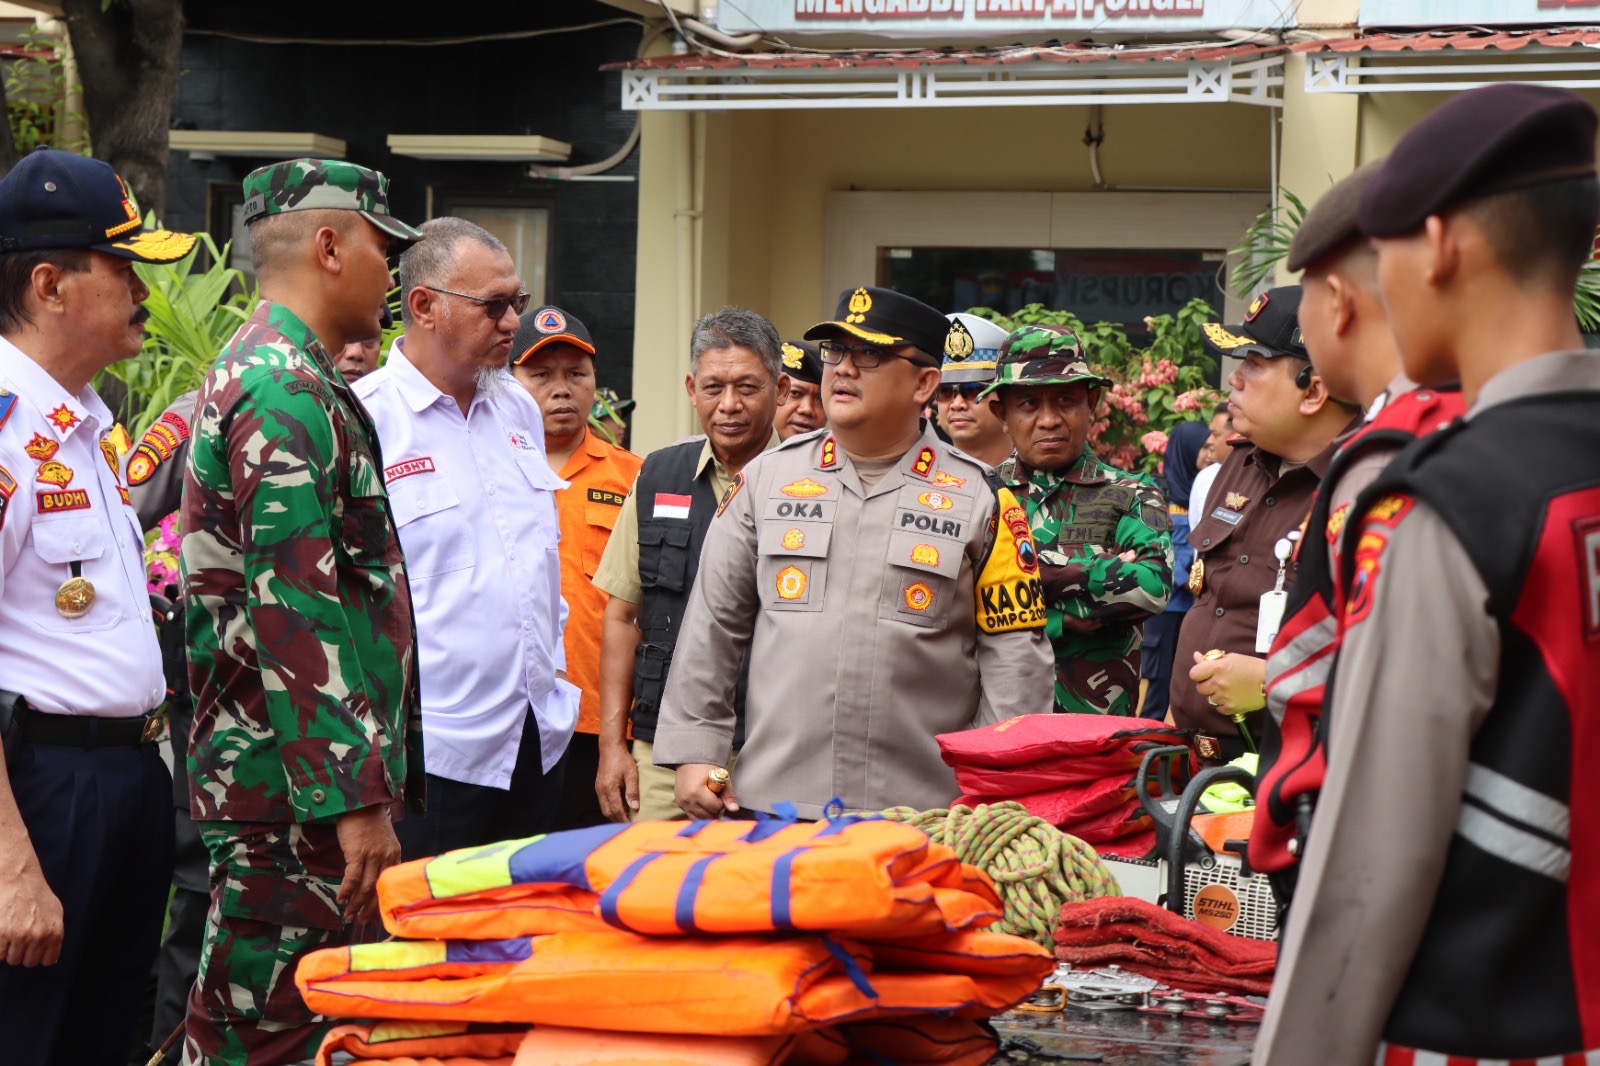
{"type": "Point", "coordinates": [1154, 388]}
{"type": "Point", "coordinates": [161, 555]}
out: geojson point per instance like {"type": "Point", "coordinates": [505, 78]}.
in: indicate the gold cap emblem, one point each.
{"type": "Point", "coordinates": [860, 304]}
{"type": "Point", "coordinates": [958, 342]}
{"type": "Point", "coordinates": [792, 356]}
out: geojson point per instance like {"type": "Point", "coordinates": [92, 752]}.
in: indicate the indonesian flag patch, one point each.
{"type": "Point", "coordinates": [669, 505]}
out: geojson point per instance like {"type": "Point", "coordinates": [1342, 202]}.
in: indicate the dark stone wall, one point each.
{"type": "Point", "coordinates": [549, 85]}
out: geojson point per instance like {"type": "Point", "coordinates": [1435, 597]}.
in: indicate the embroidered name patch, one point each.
{"type": "Point", "coordinates": [68, 500]}
{"type": "Point", "coordinates": [604, 496]}
{"type": "Point", "coordinates": [407, 467]}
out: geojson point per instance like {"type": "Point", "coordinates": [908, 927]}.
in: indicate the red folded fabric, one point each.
{"type": "Point", "coordinates": [1125, 821]}
{"type": "Point", "coordinates": [1066, 804]}
{"type": "Point", "coordinates": [1032, 737]}
{"type": "Point", "coordinates": [1010, 782]}
{"type": "Point", "coordinates": [1150, 940]}
{"type": "Point", "coordinates": [1137, 846]}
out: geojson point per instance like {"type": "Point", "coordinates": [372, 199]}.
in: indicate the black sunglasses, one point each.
{"type": "Point", "coordinates": [495, 306]}
{"type": "Point", "coordinates": [967, 389]}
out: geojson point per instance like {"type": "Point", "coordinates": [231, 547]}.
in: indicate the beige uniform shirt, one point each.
{"type": "Point", "coordinates": [875, 621]}
{"type": "Point", "coordinates": [618, 572]}
{"type": "Point", "coordinates": [1416, 679]}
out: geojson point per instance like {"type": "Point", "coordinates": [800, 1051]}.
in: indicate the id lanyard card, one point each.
{"type": "Point", "coordinates": [1269, 619]}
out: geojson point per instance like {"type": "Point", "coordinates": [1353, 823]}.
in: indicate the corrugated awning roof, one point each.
{"type": "Point", "coordinates": [1453, 60]}
{"type": "Point", "coordinates": [941, 57]}
{"type": "Point", "coordinates": [1459, 40]}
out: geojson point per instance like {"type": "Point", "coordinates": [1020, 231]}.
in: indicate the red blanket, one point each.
{"type": "Point", "coordinates": [1151, 940]}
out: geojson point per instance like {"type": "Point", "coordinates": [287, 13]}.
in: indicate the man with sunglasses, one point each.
{"type": "Point", "coordinates": [971, 353]}
{"type": "Point", "coordinates": [307, 739]}
{"type": "Point", "coordinates": [474, 499]}
{"type": "Point", "coordinates": [883, 585]}
{"type": "Point", "coordinates": [1261, 496]}
{"type": "Point", "coordinates": [1104, 535]}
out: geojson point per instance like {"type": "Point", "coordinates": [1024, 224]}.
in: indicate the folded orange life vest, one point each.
{"type": "Point", "coordinates": [923, 1041]}
{"type": "Point", "coordinates": [858, 876]}
{"type": "Point", "coordinates": [423, 1042]}
{"type": "Point", "coordinates": [620, 981]}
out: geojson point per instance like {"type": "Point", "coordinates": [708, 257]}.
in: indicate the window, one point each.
{"type": "Point", "coordinates": [524, 226]}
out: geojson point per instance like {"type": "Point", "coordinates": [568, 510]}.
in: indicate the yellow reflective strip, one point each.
{"type": "Point", "coordinates": [456, 873]}
{"type": "Point", "coordinates": [396, 955]}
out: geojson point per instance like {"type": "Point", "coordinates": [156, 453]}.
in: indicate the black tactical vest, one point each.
{"type": "Point", "coordinates": [669, 558]}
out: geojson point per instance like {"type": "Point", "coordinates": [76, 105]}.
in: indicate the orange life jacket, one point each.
{"type": "Point", "coordinates": [924, 1041]}
{"type": "Point", "coordinates": [857, 875]}
{"type": "Point", "coordinates": [736, 985]}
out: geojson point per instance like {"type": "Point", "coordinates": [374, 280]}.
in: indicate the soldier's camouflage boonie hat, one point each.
{"type": "Point", "coordinates": [326, 184]}
{"type": "Point", "coordinates": [1044, 355]}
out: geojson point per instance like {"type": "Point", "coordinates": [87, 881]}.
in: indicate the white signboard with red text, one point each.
{"type": "Point", "coordinates": [1479, 12]}
{"type": "Point", "coordinates": [969, 18]}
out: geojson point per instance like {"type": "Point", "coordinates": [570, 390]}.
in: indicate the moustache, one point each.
{"type": "Point", "coordinates": [140, 316]}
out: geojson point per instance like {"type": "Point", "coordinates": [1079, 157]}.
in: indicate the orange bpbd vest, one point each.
{"type": "Point", "coordinates": [857, 875]}
{"type": "Point", "coordinates": [1300, 665]}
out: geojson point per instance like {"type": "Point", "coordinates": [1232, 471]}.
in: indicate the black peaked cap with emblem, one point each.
{"type": "Point", "coordinates": [885, 317]}
{"type": "Point", "coordinates": [548, 325]}
{"type": "Point", "coordinates": [802, 361]}
{"type": "Point", "coordinates": [1270, 328]}
{"type": "Point", "coordinates": [1491, 140]}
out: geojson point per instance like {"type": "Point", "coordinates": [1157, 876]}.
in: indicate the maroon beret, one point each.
{"type": "Point", "coordinates": [1508, 136]}
{"type": "Point", "coordinates": [1331, 222]}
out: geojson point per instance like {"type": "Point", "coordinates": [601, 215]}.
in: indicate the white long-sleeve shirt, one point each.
{"type": "Point", "coordinates": [473, 499]}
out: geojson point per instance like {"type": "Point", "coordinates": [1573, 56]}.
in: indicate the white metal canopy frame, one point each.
{"type": "Point", "coordinates": [1012, 78]}
{"type": "Point", "coordinates": [1453, 61]}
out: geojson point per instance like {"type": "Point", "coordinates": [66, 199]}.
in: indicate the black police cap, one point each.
{"type": "Point", "coordinates": [1271, 327]}
{"type": "Point", "coordinates": [1492, 140]}
{"type": "Point", "coordinates": [802, 361]}
{"type": "Point", "coordinates": [54, 199]}
{"type": "Point", "coordinates": [885, 317]}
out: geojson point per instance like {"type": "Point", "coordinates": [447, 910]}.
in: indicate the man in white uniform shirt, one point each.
{"type": "Point", "coordinates": [473, 498]}
{"type": "Point", "coordinates": [85, 799]}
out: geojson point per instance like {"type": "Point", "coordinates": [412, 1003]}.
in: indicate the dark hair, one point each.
{"type": "Point", "coordinates": [1546, 233]}
{"type": "Point", "coordinates": [734, 327]}
{"type": "Point", "coordinates": [16, 280]}
{"type": "Point", "coordinates": [1222, 409]}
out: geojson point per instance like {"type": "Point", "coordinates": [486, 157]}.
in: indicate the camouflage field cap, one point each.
{"type": "Point", "coordinates": [329, 184]}
{"type": "Point", "coordinates": [1044, 355]}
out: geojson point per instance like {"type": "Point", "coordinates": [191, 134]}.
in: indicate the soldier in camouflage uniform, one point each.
{"type": "Point", "coordinates": [1104, 536]}
{"type": "Point", "coordinates": [307, 732]}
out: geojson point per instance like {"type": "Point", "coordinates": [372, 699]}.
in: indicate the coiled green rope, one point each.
{"type": "Point", "coordinates": [1035, 866]}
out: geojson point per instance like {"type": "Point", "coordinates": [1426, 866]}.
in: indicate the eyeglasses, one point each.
{"type": "Point", "coordinates": [864, 356]}
{"type": "Point", "coordinates": [497, 306]}
{"type": "Point", "coordinates": [968, 390]}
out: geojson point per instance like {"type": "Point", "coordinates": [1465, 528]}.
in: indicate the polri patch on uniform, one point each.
{"type": "Point", "coordinates": [918, 597]}
{"type": "Point", "coordinates": [1389, 510]}
{"type": "Point", "coordinates": [794, 540]}
{"type": "Point", "coordinates": [727, 497]}
{"type": "Point", "coordinates": [422, 464]}
{"type": "Point", "coordinates": [1369, 556]}
{"type": "Point", "coordinates": [924, 464]}
{"type": "Point", "coordinates": [935, 501]}
{"type": "Point", "coordinates": [1222, 514]}
{"type": "Point", "coordinates": [606, 496]}
{"type": "Point", "coordinates": [142, 465]}
{"type": "Point", "coordinates": [948, 480]}
{"type": "Point", "coordinates": [830, 453]}
{"type": "Point", "coordinates": [791, 582]}
{"type": "Point", "coordinates": [671, 505]}
{"type": "Point", "coordinates": [179, 426]}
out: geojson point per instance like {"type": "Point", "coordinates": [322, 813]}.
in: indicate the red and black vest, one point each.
{"type": "Point", "coordinates": [1509, 962]}
{"type": "Point", "coordinates": [1299, 667]}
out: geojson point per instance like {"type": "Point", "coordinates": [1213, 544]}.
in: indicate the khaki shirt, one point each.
{"type": "Point", "coordinates": [618, 573]}
{"type": "Point", "coordinates": [874, 621]}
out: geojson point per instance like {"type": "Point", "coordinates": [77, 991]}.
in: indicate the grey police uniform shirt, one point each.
{"type": "Point", "coordinates": [155, 466]}
{"type": "Point", "coordinates": [1368, 879]}
{"type": "Point", "coordinates": [875, 620]}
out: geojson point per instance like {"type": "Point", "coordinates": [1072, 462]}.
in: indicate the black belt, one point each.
{"type": "Point", "coordinates": [82, 731]}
